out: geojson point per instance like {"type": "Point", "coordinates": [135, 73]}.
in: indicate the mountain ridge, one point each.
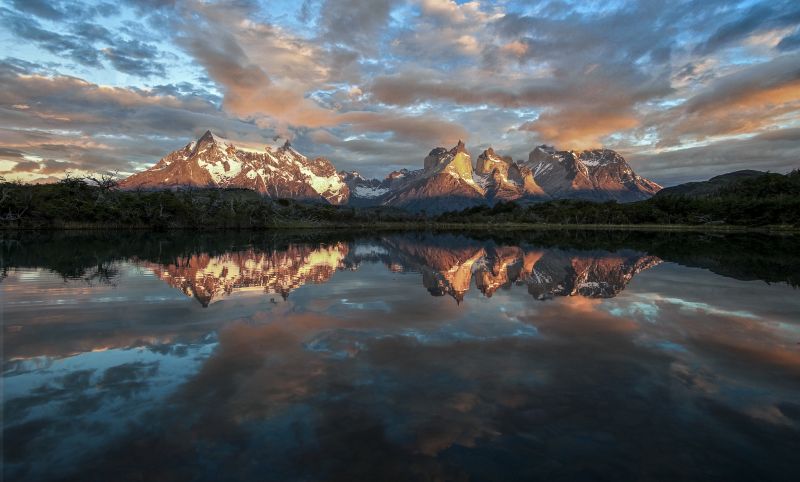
{"type": "Point", "coordinates": [447, 181]}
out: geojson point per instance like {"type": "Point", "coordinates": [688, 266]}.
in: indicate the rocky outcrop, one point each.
{"type": "Point", "coordinates": [505, 180]}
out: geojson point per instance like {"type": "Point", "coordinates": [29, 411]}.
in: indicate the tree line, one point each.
{"type": "Point", "coordinates": [767, 200]}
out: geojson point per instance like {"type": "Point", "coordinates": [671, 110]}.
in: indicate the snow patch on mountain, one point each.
{"type": "Point", "coordinates": [370, 192]}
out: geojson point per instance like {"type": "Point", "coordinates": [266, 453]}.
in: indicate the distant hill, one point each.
{"type": "Point", "coordinates": [711, 187]}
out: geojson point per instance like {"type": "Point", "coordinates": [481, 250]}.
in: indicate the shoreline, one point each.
{"type": "Point", "coordinates": [424, 226]}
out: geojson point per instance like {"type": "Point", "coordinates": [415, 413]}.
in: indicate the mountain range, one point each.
{"type": "Point", "coordinates": [447, 181]}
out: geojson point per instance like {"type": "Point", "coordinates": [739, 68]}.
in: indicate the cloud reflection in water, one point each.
{"type": "Point", "coordinates": [556, 363]}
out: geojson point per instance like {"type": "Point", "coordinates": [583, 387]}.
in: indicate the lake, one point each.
{"type": "Point", "coordinates": [546, 355]}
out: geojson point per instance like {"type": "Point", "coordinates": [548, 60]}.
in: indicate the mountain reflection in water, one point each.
{"type": "Point", "coordinates": [548, 355]}
{"type": "Point", "coordinates": [448, 264]}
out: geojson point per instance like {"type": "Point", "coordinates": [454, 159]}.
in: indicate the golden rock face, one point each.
{"type": "Point", "coordinates": [461, 165]}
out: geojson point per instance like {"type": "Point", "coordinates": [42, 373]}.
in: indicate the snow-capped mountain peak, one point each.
{"type": "Point", "coordinates": [214, 161]}
{"type": "Point", "coordinates": [597, 174]}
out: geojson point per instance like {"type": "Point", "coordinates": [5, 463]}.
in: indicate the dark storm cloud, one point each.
{"type": "Point", "coordinates": [61, 10]}
{"type": "Point", "coordinates": [305, 13]}
{"type": "Point", "coordinates": [70, 102]}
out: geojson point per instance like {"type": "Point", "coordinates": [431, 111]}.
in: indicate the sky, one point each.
{"type": "Point", "coordinates": [685, 90]}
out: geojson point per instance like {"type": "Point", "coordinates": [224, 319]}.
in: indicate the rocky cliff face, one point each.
{"type": "Point", "coordinates": [599, 174]}
{"type": "Point", "coordinates": [506, 180]}
{"type": "Point", "coordinates": [446, 182]}
{"type": "Point", "coordinates": [275, 170]}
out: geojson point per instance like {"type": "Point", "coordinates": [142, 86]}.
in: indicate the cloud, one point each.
{"type": "Point", "coordinates": [40, 8]}
{"type": "Point", "coordinates": [777, 151]}
{"type": "Point", "coordinates": [70, 46]}
{"type": "Point", "coordinates": [758, 18]}
{"type": "Point", "coordinates": [790, 42]}
{"type": "Point", "coordinates": [575, 112]}
{"type": "Point", "coordinates": [745, 101]}
{"type": "Point", "coordinates": [356, 23]}
{"type": "Point", "coordinates": [135, 58]}
{"type": "Point", "coordinates": [25, 166]}
{"type": "Point", "coordinates": [104, 128]}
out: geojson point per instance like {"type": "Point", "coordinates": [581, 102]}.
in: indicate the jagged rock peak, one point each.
{"type": "Point", "coordinates": [491, 154]}
{"type": "Point", "coordinates": [397, 174]}
{"type": "Point", "coordinates": [489, 160]}
{"type": "Point", "coordinates": [208, 138]}
{"type": "Point", "coordinates": [437, 151]}
{"type": "Point", "coordinates": [460, 147]}
{"type": "Point", "coordinates": [601, 157]}
{"type": "Point", "coordinates": [436, 157]}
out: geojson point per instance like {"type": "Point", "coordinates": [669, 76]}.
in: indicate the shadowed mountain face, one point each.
{"type": "Point", "coordinates": [540, 355]}
{"type": "Point", "coordinates": [599, 175]}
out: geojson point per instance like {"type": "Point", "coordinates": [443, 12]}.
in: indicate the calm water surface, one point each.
{"type": "Point", "coordinates": [409, 356]}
